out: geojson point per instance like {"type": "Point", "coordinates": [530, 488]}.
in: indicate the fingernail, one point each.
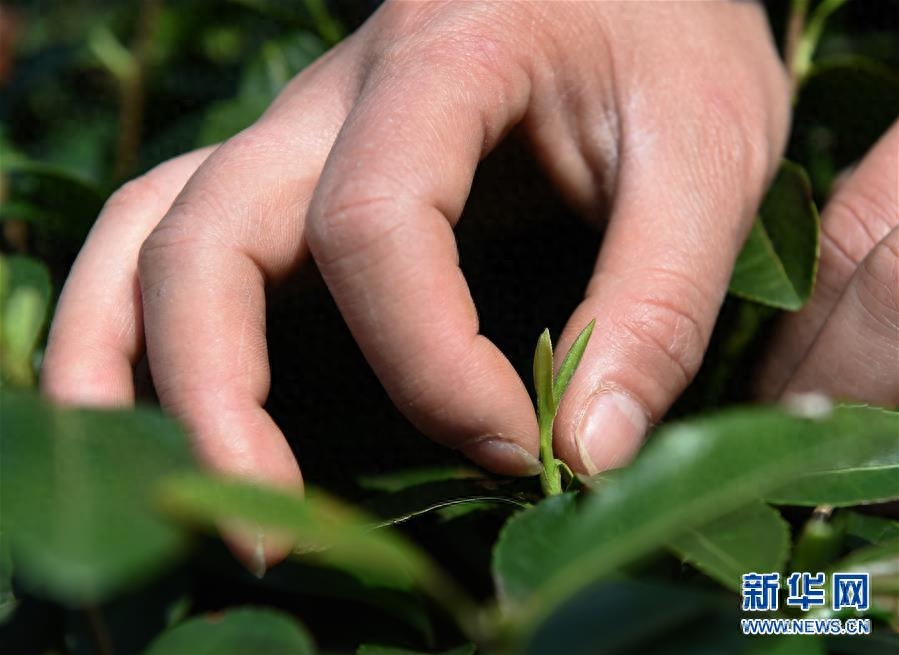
{"type": "Point", "coordinates": [610, 431]}
{"type": "Point", "coordinates": [502, 456]}
{"type": "Point", "coordinates": [257, 561]}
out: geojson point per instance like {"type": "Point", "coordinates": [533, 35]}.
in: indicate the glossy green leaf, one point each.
{"type": "Point", "coordinates": [691, 474]}
{"type": "Point", "coordinates": [75, 488]}
{"type": "Point", "coordinates": [778, 262]}
{"type": "Point", "coordinates": [752, 538]}
{"type": "Point", "coordinates": [873, 481]}
{"type": "Point", "coordinates": [242, 631]}
{"type": "Point", "coordinates": [543, 377]}
{"type": "Point", "coordinates": [528, 540]}
{"type": "Point", "coordinates": [25, 295]}
{"type": "Point", "coordinates": [570, 363]}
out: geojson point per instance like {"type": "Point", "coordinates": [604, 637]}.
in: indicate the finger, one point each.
{"type": "Point", "coordinates": [856, 353]}
{"type": "Point", "coordinates": [96, 334]}
{"type": "Point", "coordinates": [380, 229]}
{"type": "Point", "coordinates": [860, 215]}
{"type": "Point", "coordinates": [680, 213]}
{"type": "Point", "coordinates": [237, 225]}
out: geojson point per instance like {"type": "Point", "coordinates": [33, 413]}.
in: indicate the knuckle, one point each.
{"type": "Point", "coordinates": [176, 237]}
{"type": "Point", "coordinates": [348, 223]}
{"type": "Point", "coordinates": [473, 45]}
{"type": "Point", "coordinates": [857, 218]}
{"type": "Point", "coordinates": [139, 192]}
{"type": "Point", "coordinates": [668, 331]}
{"type": "Point", "coordinates": [878, 284]}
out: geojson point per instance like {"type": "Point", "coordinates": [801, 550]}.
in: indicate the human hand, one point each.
{"type": "Point", "coordinates": [845, 342]}
{"type": "Point", "coordinates": [667, 117]}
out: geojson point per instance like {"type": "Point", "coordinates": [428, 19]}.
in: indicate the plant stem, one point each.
{"type": "Point", "coordinates": [801, 44]}
{"type": "Point", "coordinates": [132, 91]}
{"type": "Point", "coordinates": [550, 478]}
{"type": "Point", "coordinates": [99, 630]}
{"type": "Point", "coordinates": [795, 27]}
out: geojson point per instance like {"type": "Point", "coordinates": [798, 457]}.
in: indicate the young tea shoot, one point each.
{"type": "Point", "coordinates": [549, 395]}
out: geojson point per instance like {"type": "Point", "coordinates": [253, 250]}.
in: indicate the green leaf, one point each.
{"type": "Point", "coordinates": [527, 540]}
{"type": "Point", "coordinates": [317, 524]}
{"type": "Point", "coordinates": [543, 377]}
{"type": "Point", "coordinates": [60, 205]}
{"type": "Point", "coordinates": [873, 481]}
{"type": "Point", "coordinates": [691, 474]}
{"type": "Point", "coordinates": [752, 538]}
{"type": "Point", "coordinates": [872, 529]}
{"type": "Point", "coordinates": [278, 61]}
{"type": "Point", "coordinates": [881, 562]}
{"type": "Point", "coordinates": [624, 616]}
{"type": "Point", "coordinates": [239, 631]}
{"type": "Point", "coordinates": [844, 106]}
{"type": "Point", "coordinates": [778, 262]}
{"type": "Point", "coordinates": [421, 499]}
{"type": "Point", "coordinates": [25, 292]}
{"type": "Point", "coordinates": [373, 649]}
{"type": "Point", "coordinates": [75, 488]}
{"type": "Point", "coordinates": [570, 363]}
{"type": "Point", "coordinates": [8, 600]}
{"type": "Point", "coordinates": [320, 527]}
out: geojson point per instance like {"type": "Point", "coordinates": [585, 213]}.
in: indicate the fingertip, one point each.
{"type": "Point", "coordinates": [609, 431]}
{"type": "Point", "coordinates": [502, 455]}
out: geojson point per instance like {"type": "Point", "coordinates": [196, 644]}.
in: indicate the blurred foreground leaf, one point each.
{"type": "Point", "coordinates": [75, 488]}
{"type": "Point", "coordinates": [528, 539]}
{"type": "Point", "coordinates": [873, 481]}
{"type": "Point", "coordinates": [778, 262]}
{"type": "Point", "coordinates": [690, 474]}
{"type": "Point", "coordinates": [319, 527]}
{"type": "Point", "coordinates": [753, 538]}
{"type": "Point", "coordinates": [236, 632]}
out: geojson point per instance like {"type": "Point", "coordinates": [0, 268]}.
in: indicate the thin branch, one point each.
{"type": "Point", "coordinates": [133, 92]}
{"type": "Point", "coordinates": [99, 630]}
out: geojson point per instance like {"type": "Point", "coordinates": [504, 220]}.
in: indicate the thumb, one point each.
{"type": "Point", "coordinates": [682, 209]}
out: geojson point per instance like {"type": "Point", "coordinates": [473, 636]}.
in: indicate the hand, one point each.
{"type": "Point", "coordinates": [667, 117]}
{"type": "Point", "coordinates": [845, 342]}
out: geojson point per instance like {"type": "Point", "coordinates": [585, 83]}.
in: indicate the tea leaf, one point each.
{"type": "Point", "coordinates": [570, 363]}
{"type": "Point", "coordinates": [778, 262]}
{"type": "Point", "coordinates": [75, 488]}
{"type": "Point", "coordinates": [236, 632]}
{"type": "Point", "coordinates": [543, 378]}
{"type": "Point", "coordinates": [690, 474]}
{"type": "Point", "coordinates": [752, 538]}
{"type": "Point", "coordinates": [529, 538]}
{"type": "Point", "coordinates": [873, 481]}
